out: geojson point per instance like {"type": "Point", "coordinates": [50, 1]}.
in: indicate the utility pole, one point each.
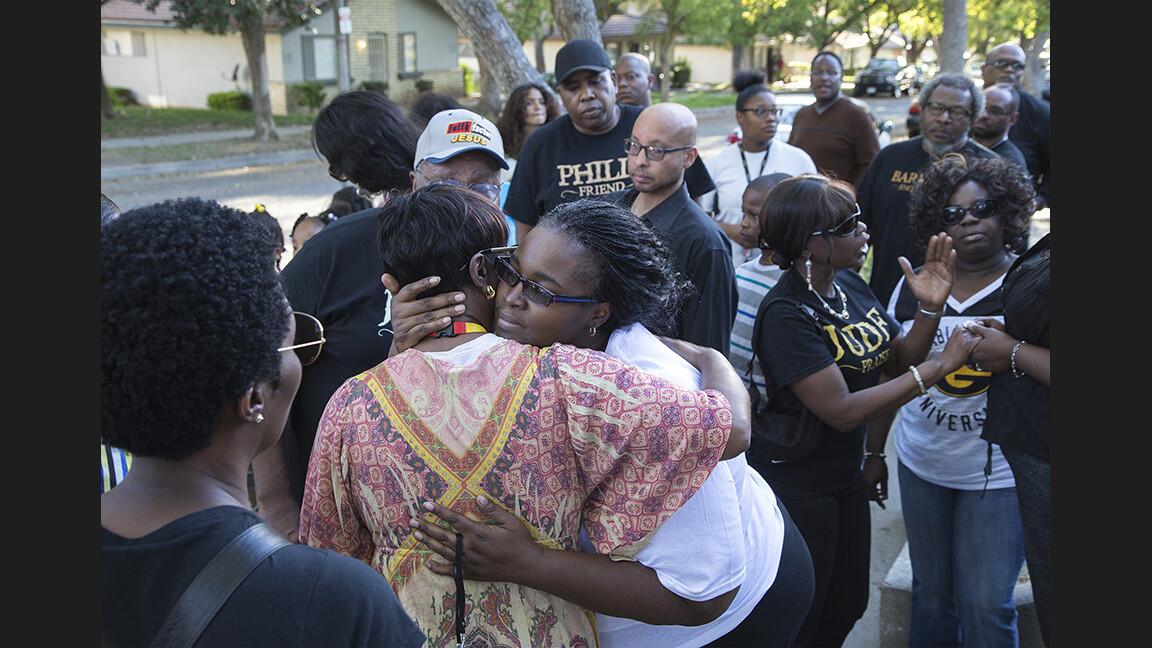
{"type": "Point", "coordinates": [343, 28]}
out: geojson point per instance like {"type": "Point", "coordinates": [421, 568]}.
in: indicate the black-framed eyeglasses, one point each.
{"type": "Point", "coordinates": [763, 111]}
{"type": "Point", "coordinates": [844, 228]}
{"type": "Point", "coordinates": [501, 260]}
{"type": "Point", "coordinates": [953, 214]}
{"type": "Point", "coordinates": [1007, 64]}
{"type": "Point", "coordinates": [309, 338]}
{"type": "Point", "coordinates": [937, 109]}
{"type": "Point", "coordinates": [654, 153]}
{"type": "Point", "coordinates": [488, 190]}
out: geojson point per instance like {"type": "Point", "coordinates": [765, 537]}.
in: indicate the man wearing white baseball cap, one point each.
{"type": "Point", "coordinates": [336, 278]}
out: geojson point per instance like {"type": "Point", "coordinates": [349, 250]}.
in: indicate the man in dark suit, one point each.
{"type": "Point", "coordinates": [1031, 132]}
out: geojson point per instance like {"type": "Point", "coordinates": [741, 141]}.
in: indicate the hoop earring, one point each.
{"type": "Point", "coordinates": [592, 331]}
{"type": "Point", "coordinates": [808, 271]}
{"type": "Point", "coordinates": [489, 292]}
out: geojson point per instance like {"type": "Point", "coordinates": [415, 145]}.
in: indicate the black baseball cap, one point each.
{"type": "Point", "coordinates": [581, 54]}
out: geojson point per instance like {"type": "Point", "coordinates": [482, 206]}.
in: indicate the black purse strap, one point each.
{"type": "Point", "coordinates": [756, 338]}
{"type": "Point", "coordinates": [208, 592]}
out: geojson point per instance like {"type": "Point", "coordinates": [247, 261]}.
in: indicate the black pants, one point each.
{"type": "Point", "coordinates": [1034, 490]}
{"type": "Point", "coordinates": [837, 527]}
{"type": "Point", "coordinates": [777, 617]}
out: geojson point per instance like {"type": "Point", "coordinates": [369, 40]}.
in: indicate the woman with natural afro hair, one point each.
{"type": "Point", "coordinates": [958, 493]}
{"type": "Point", "coordinates": [199, 366]}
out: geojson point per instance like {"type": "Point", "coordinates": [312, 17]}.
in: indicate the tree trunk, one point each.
{"type": "Point", "coordinates": [252, 35]}
{"type": "Point", "coordinates": [490, 100]}
{"type": "Point", "coordinates": [737, 58]}
{"type": "Point", "coordinates": [664, 52]}
{"type": "Point", "coordinates": [954, 38]}
{"type": "Point", "coordinates": [1033, 67]}
{"type": "Point", "coordinates": [576, 19]}
{"type": "Point", "coordinates": [541, 62]}
{"type": "Point", "coordinates": [106, 108]}
{"type": "Point", "coordinates": [499, 53]}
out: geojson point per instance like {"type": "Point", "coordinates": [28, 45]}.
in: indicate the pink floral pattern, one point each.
{"type": "Point", "coordinates": [559, 436]}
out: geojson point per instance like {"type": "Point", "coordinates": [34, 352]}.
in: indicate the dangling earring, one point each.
{"type": "Point", "coordinates": [808, 271]}
{"type": "Point", "coordinates": [592, 331]}
{"type": "Point", "coordinates": [259, 417]}
{"type": "Point", "coordinates": [489, 292]}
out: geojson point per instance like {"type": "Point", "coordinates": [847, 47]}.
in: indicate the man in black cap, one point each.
{"type": "Point", "coordinates": [581, 154]}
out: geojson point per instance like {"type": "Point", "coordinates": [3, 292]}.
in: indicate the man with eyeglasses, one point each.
{"type": "Point", "coordinates": [1032, 131]}
{"type": "Point", "coordinates": [578, 154]}
{"type": "Point", "coordinates": [754, 155]}
{"type": "Point", "coordinates": [951, 103]}
{"type": "Point", "coordinates": [662, 147]}
{"type": "Point", "coordinates": [1001, 102]}
{"type": "Point", "coordinates": [336, 277]}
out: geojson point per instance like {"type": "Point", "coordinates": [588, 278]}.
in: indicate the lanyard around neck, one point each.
{"type": "Point", "coordinates": [763, 162]}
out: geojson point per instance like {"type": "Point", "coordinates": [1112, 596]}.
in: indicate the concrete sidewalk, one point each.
{"type": "Point", "coordinates": [188, 138]}
{"type": "Point", "coordinates": [117, 171]}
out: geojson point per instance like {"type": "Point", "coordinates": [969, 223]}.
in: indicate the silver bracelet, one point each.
{"type": "Point", "coordinates": [881, 455]}
{"type": "Point", "coordinates": [931, 314]}
{"type": "Point", "coordinates": [1015, 373]}
{"type": "Point", "coordinates": [919, 380]}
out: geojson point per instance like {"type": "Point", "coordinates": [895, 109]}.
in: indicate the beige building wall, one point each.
{"type": "Point", "coordinates": [180, 69]}
{"type": "Point", "coordinates": [710, 64]}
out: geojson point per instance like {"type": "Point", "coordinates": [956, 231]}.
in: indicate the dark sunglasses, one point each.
{"type": "Point", "coordinates": [980, 209]}
{"type": "Point", "coordinates": [844, 228]}
{"type": "Point", "coordinates": [500, 260]}
{"type": "Point", "coordinates": [309, 338]}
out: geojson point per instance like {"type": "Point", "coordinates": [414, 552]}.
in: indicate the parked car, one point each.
{"type": "Point", "coordinates": [879, 76]}
{"type": "Point", "coordinates": [913, 121]}
{"type": "Point", "coordinates": [909, 79]}
{"type": "Point", "coordinates": [791, 104]}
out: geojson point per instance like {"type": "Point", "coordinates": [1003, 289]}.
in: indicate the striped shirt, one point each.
{"type": "Point", "coordinates": [753, 281]}
{"type": "Point", "coordinates": [114, 464]}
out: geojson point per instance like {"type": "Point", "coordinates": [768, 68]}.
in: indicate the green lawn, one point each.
{"type": "Point", "coordinates": [137, 121]}
{"type": "Point", "coordinates": [709, 99]}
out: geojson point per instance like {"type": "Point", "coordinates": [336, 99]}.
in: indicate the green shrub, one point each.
{"type": "Point", "coordinates": [469, 80]}
{"type": "Point", "coordinates": [681, 73]}
{"type": "Point", "coordinates": [231, 100]}
{"type": "Point", "coordinates": [122, 97]}
{"type": "Point", "coordinates": [308, 94]}
{"type": "Point", "coordinates": [424, 85]}
{"type": "Point", "coordinates": [375, 86]}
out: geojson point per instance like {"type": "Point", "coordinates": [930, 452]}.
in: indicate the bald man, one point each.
{"type": "Point", "coordinates": [661, 148]}
{"type": "Point", "coordinates": [634, 80]}
{"type": "Point", "coordinates": [1033, 129]}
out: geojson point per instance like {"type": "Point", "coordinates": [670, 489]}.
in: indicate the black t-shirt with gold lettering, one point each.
{"type": "Point", "coordinates": [792, 346]}
{"type": "Point", "coordinates": [559, 164]}
{"type": "Point", "coordinates": [883, 195]}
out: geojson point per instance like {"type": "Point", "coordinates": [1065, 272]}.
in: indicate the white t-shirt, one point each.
{"type": "Point", "coordinates": [729, 533]}
{"type": "Point", "coordinates": [727, 171]}
{"type": "Point", "coordinates": [937, 436]}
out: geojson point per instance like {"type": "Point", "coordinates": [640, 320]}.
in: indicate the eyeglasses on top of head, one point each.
{"type": "Point", "coordinates": [953, 214]}
{"type": "Point", "coordinates": [654, 153]}
{"type": "Point", "coordinates": [489, 191]}
{"type": "Point", "coordinates": [500, 260]}
{"type": "Point", "coordinates": [844, 228]}
{"type": "Point", "coordinates": [309, 338]}
{"type": "Point", "coordinates": [1007, 64]}
{"type": "Point", "coordinates": [936, 109]}
{"type": "Point", "coordinates": [763, 111]}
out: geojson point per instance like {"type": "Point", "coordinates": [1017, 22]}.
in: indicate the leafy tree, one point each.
{"type": "Point", "coordinates": [830, 18]}
{"type": "Point", "coordinates": [680, 17]}
{"type": "Point", "coordinates": [107, 110]}
{"type": "Point", "coordinates": [531, 20]}
{"type": "Point", "coordinates": [578, 19]}
{"type": "Point", "coordinates": [246, 17]}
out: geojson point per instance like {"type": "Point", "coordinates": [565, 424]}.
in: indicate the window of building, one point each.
{"type": "Point", "coordinates": [115, 42]}
{"type": "Point", "coordinates": [377, 57]}
{"type": "Point", "coordinates": [407, 52]}
{"type": "Point", "coordinates": [318, 54]}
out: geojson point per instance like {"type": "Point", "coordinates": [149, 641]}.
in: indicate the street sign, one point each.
{"type": "Point", "coordinates": [345, 19]}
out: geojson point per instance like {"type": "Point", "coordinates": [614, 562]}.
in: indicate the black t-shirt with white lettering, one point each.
{"type": "Point", "coordinates": [559, 164]}
{"type": "Point", "coordinates": [792, 346]}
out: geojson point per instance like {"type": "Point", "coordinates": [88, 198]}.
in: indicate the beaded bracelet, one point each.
{"type": "Point", "coordinates": [1015, 373]}
{"type": "Point", "coordinates": [919, 380]}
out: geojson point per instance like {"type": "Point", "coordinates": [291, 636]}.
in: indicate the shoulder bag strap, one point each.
{"type": "Point", "coordinates": [756, 336]}
{"type": "Point", "coordinates": [198, 605]}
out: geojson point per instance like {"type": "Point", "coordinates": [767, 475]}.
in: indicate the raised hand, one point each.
{"type": "Point", "coordinates": [414, 319]}
{"type": "Point", "coordinates": [500, 551]}
{"type": "Point", "coordinates": [934, 282]}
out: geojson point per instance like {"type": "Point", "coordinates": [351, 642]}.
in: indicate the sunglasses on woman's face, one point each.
{"type": "Point", "coordinates": [844, 228]}
{"type": "Point", "coordinates": [309, 338]}
{"type": "Point", "coordinates": [980, 209]}
{"type": "Point", "coordinates": [500, 260]}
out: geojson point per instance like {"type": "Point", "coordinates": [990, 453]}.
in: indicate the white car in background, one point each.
{"type": "Point", "coordinates": [791, 104]}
